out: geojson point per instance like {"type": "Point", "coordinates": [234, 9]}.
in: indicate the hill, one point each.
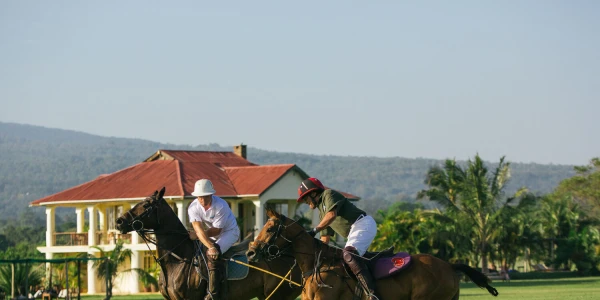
{"type": "Point", "coordinates": [38, 161]}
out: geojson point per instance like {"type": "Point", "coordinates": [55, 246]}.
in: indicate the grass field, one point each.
{"type": "Point", "coordinates": [548, 289]}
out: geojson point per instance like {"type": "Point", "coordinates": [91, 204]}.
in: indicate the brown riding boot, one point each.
{"type": "Point", "coordinates": [217, 284]}
{"type": "Point", "coordinates": [360, 269]}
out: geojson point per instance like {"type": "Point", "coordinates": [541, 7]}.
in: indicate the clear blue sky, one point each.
{"type": "Point", "coordinates": [433, 79]}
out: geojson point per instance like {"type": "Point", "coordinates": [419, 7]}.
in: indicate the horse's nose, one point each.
{"type": "Point", "coordinates": [120, 221]}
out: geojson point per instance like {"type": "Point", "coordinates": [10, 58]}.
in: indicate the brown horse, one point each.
{"type": "Point", "coordinates": [326, 277]}
{"type": "Point", "coordinates": [179, 278]}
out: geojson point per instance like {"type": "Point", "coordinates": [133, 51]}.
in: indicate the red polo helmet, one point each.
{"type": "Point", "coordinates": [309, 185]}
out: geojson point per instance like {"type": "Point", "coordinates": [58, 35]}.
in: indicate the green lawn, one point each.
{"type": "Point", "coordinates": [546, 289]}
{"type": "Point", "coordinates": [543, 289]}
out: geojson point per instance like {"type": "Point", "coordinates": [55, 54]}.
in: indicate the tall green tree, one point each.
{"type": "Point", "coordinates": [521, 231]}
{"type": "Point", "coordinates": [401, 229]}
{"type": "Point", "coordinates": [584, 187]}
{"type": "Point", "coordinates": [473, 196]}
{"type": "Point", "coordinates": [572, 237]}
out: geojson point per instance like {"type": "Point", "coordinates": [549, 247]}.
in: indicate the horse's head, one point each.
{"type": "Point", "coordinates": [144, 215]}
{"type": "Point", "coordinates": [275, 237]}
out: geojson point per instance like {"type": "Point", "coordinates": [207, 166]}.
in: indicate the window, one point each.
{"type": "Point", "coordinates": [149, 261]}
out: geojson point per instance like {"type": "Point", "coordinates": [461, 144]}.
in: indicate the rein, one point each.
{"type": "Point", "coordinates": [273, 251]}
{"type": "Point", "coordinates": [138, 226]}
{"type": "Point", "coordinates": [268, 272]}
{"type": "Point", "coordinates": [266, 249]}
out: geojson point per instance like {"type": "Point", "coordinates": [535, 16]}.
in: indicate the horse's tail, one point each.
{"type": "Point", "coordinates": [477, 277]}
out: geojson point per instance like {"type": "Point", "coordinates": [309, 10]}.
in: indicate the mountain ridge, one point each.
{"type": "Point", "coordinates": [39, 161]}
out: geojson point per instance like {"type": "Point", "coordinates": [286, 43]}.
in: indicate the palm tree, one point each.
{"type": "Point", "coordinates": [572, 235]}
{"type": "Point", "coordinates": [108, 267]}
{"type": "Point", "coordinates": [472, 196]}
{"type": "Point", "coordinates": [521, 230]}
{"type": "Point", "coordinates": [25, 273]}
{"type": "Point", "coordinates": [445, 184]}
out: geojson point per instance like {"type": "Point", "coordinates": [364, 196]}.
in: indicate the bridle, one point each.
{"type": "Point", "coordinates": [268, 249]}
{"type": "Point", "coordinates": [136, 222]}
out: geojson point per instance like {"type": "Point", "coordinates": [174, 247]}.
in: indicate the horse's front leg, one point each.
{"type": "Point", "coordinates": [327, 286]}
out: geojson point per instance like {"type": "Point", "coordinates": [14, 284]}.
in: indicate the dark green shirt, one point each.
{"type": "Point", "coordinates": [346, 212]}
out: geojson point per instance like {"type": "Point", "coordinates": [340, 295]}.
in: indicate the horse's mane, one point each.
{"type": "Point", "coordinates": [170, 213]}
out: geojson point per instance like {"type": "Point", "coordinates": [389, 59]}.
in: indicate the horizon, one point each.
{"type": "Point", "coordinates": [430, 79]}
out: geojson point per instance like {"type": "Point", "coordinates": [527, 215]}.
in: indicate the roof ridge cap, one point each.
{"type": "Point", "coordinates": [230, 181]}
{"type": "Point", "coordinates": [179, 182]}
{"type": "Point", "coordinates": [219, 151]}
{"type": "Point", "coordinates": [255, 166]}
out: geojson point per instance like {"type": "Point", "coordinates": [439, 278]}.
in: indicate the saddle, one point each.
{"type": "Point", "coordinates": [237, 249]}
{"type": "Point", "coordinates": [379, 254]}
{"type": "Point", "coordinates": [235, 271]}
{"type": "Point", "coordinates": [386, 263]}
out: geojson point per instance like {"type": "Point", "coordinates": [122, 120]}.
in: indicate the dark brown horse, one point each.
{"type": "Point", "coordinates": [325, 276]}
{"type": "Point", "coordinates": [179, 278]}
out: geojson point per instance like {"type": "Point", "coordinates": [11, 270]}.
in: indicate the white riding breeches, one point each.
{"type": "Point", "coordinates": [362, 233]}
{"type": "Point", "coordinates": [228, 238]}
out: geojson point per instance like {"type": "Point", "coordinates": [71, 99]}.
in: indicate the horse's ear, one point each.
{"type": "Point", "coordinates": [154, 194]}
{"type": "Point", "coordinates": [272, 213]}
{"type": "Point", "coordinates": [162, 193]}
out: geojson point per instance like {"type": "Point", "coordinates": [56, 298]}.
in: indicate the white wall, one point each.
{"type": "Point", "coordinates": [284, 189]}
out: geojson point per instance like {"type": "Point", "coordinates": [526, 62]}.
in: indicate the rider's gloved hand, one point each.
{"type": "Point", "coordinates": [214, 252]}
{"type": "Point", "coordinates": [312, 232]}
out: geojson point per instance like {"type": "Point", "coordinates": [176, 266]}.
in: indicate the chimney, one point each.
{"type": "Point", "coordinates": [240, 150]}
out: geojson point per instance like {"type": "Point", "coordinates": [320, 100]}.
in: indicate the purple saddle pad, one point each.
{"type": "Point", "coordinates": [386, 266]}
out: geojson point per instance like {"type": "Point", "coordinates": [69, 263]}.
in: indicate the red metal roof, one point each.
{"type": "Point", "coordinates": [137, 181]}
{"type": "Point", "coordinates": [256, 179]}
{"type": "Point", "coordinates": [178, 171]}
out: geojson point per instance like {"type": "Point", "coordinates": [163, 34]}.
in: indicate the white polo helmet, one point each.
{"type": "Point", "coordinates": [203, 187]}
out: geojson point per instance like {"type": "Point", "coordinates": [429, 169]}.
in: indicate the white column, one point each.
{"type": "Point", "coordinates": [80, 219]}
{"type": "Point", "coordinates": [50, 226]}
{"type": "Point", "coordinates": [182, 211]}
{"type": "Point", "coordinates": [259, 220]}
{"type": "Point", "coordinates": [135, 237]}
{"type": "Point", "coordinates": [291, 209]}
{"type": "Point", "coordinates": [102, 219]}
{"type": "Point", "coordinates": [235, 209]}
{"type": "Point", "coordinates": [48, 256]}
{"type": "Point", "coordinates": [134, 284]}
{"type": "Point", "coordinates": [91, 275]}
{"type": "Point", "coordinates": [92, 229]}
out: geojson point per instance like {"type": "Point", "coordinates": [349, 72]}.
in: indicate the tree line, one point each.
{"type": "Point", "coordinates": [479, 222]}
